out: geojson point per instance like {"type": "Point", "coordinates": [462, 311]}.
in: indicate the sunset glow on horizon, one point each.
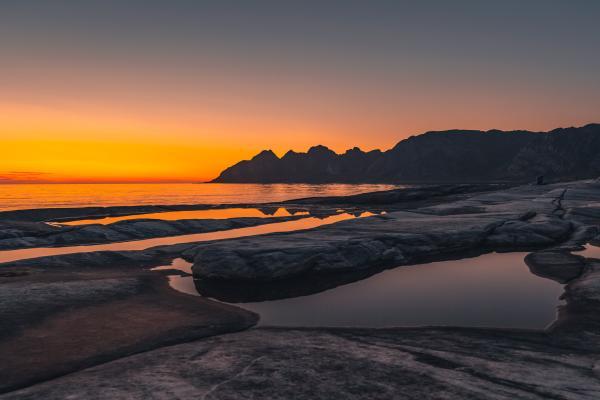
{"type": "Point", "coordinates": [148, 91]}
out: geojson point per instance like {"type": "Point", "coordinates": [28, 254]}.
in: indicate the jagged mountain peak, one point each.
{"type": "Point", "coordinates": [438, 156]}
{"type": "Point", "coordinates": [265, 155]}
{"type": "Point", "coordinates": [320, 149]}
{"type": "Point", "coordinates": [354, 150]}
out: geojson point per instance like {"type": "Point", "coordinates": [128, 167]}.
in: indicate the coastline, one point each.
{"type": "Point", "coordinates": [561, 222]}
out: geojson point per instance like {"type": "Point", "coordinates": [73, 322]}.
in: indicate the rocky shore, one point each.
{"type": "Point", "coordinates": [530, 217]}
{"type": "Point", "coordinates": [103, 325]}
{"type": "Point", "coordinates": [41, 228]}
{"type": "Point", "coordinates": [425, 363]}
{"type": "Point", "coordinates": [18, 235]}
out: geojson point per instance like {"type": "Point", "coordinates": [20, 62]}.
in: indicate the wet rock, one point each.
{"type": "Point", "coordinates": [253, 291]}
{"type": "Point", "coordinates": [525, 217]}
{"type": "Point", "coordinates": [124, 231]}
{"type": "Point", "coordinates": [370, 242]}
{"type": "Point", "coordinates": [578, 320]}
{"type": "Point", "coordinates": [557, 265]}
{"type": "Point", "coordinates": [374, 242]}
{"type": "Point", "coordinates": [19, 229]}
{"type": "Point", "coordinates": [402, 195]}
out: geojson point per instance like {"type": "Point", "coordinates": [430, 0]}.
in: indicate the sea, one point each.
{"type": "Point", "coordinates": [29, 196]}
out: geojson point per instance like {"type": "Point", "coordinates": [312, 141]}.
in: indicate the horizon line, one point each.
{"type": "Point", "coordinates": [67, 182]}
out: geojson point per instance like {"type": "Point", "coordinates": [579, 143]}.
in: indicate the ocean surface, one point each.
{"type": "Point", "coordinates": [25, 196]}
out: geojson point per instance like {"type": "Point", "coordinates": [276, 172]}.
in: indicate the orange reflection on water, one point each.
{"type": "Point", "coordinates": [13, 197]}
{"type": "Point", "coordinates": [304, 223]}
{"type": "Point", "coordinates": [223, 213]}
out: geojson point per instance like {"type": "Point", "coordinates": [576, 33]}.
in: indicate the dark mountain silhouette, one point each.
{"type": "Point", "coordinates": [446, 156]}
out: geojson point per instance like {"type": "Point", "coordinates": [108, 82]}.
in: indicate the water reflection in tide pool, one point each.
{"type": "Point", "coordinates": [287, 226]}
{"type": "Point", "coordinates": [492, 290]}
{"type": "Point", "coordinates": [591, 251]}
{"type": "Point", "coordinates": [222, 213]}
{"type": "Point", "coordinates": [14, 197]}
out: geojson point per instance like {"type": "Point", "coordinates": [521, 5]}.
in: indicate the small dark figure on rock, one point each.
{"type": "Point", "coordinates": [540, 180]}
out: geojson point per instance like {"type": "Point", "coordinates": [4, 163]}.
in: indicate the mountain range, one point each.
{"type": "Point", "coordinates": [436, 157]}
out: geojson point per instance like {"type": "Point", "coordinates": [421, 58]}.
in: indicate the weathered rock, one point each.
{"type": "Point", "coordinates": [557, 265]}
{"type": "Point", "coordinates": [56, 321]}
{"type": "Point", "coordinates": [579, 320]}
{"type": "Point", "coordinates": [586, 289]}
{"type": "Point", "coordinates": [526, 217]}
{"type": "Point", "coordinates": [544, 230]}
{"type": "Point", "coordinates": [76, 213]}
{"type": "Point", "coordinates": [122, 231]}
{"type": "Point", "coordinates": [390, 240]}
{"type": "Point", "coordinates": [342, 363]}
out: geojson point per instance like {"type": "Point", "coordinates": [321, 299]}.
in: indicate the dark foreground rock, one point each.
{"type": "Point", "coordinates": [58, 320]}
{"type": "Point", "coordinates": [286, 364]}
{"type": "Point", "coordinates": [557, 265]}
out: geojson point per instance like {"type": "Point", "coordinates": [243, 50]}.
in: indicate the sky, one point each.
{"type": "Point", "coordinates": [146, 90]}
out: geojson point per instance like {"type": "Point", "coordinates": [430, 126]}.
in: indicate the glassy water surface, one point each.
{"type": "Point", "coordinates": [287, 226]}
{"type": "Point", "coordinates": [591, 251]}
{"type": "Point", "coordinates": [82, 195]}
{"type": "Point", "coordinates": [219, 213]}
{"type": "Point", "coordinates": [492, 290]}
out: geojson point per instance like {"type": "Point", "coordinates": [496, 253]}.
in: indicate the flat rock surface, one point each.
{"type": "Point", "coordinates": [557, 265]}
{"type": "Point", "coordinates": [18, 235]}
{"type": "Point", "coordinates": [98, 323]}
{"type": "Point", "coordinates": [525, 217]}
{"type": "Point", "coordinates": [59, 320]}
{"type": "Point", "coordinates": [418, 364]}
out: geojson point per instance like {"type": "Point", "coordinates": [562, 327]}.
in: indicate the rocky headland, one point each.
{"type": "Point", "coordinates": [445, 156]}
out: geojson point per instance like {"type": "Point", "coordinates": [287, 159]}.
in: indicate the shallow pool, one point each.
{"type": "Point", "coordinates": [287, 226]}
{"type": "Point", "coordinates": [492, 290]}
{"type": "Point", "coordinates": [216, 213]}
{"type": "Point", "coordinates": [590, 251]}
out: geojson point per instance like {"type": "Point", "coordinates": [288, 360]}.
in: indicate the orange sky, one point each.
{"type": "Point", "coordinates": [176, 91]}
{"type": "Point", "coordinates": [86, 145]}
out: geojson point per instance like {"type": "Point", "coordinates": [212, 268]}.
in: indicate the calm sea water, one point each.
{"type": "Point", "coordinates": [13, 197]}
